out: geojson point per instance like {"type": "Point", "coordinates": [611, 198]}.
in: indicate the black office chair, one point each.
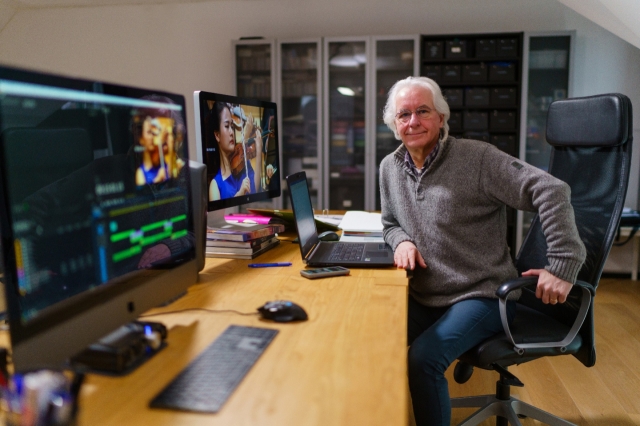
{"type": "Point", "coordinates": [591, 139]}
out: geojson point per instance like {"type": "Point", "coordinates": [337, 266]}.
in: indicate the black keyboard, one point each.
{"type": "Point", "coordinates": [343, 252]}
{"type": "Point", "coordinates": [208, 381]}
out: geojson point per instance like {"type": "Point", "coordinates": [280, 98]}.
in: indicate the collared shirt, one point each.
{"type": "Point", "coordinates": [427, 161]}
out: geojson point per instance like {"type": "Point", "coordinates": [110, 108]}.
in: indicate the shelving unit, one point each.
{"type": "Point", "coordinates": [498, 86]}
{"type": "Point", "coordinates": [396, 58]}
{"type": "Point", "coordinates": [254, 68]}
{"type": "Point", "coordinates": [359, 71]}
{"type": "Point", "coordinates": [481, 77]}
{"type": "Point", "coordinates": [330, 94]}
{"type": "Point", "coordinates": [546, 71]}
{"type": "Point", "coordinates": [299, 86]}
{"type": "Point", "coordinates": [346, 79]}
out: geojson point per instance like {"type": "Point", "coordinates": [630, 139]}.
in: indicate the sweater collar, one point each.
{"type": "Point", "coordinates": [401, 151]}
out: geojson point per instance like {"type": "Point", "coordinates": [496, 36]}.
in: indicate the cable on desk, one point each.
{"type": "Point", "coordinates": [213, 311]}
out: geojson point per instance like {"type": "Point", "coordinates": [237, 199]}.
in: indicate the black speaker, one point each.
{"type": "Point", "coordinates": [198, 176]}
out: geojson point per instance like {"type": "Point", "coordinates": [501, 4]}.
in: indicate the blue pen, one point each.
{"type": "Point", "coordinates": [268, 265]}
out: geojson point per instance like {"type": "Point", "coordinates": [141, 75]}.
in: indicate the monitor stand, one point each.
{"type": "Point", "coordinates": [123, 350]}
{"type": "Point", "coordinates": [215, 219]}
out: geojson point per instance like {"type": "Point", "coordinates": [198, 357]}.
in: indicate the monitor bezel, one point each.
{"type": "Point", "coordinates": [67, 327]}
{"type": "Point", "coordinates": [200, 98]}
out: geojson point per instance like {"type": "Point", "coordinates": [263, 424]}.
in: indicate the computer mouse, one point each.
{"type": "Point", "coordinates": [329, 236]}
{"type": "Point", "coordinates": [282, 311]}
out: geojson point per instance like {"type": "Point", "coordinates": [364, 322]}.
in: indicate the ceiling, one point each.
{"type": "Point", "coordinates": [621, 17]}
{"type": "Point", "coordinates": [24, 4]}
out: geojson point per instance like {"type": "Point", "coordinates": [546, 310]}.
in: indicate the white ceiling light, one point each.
{"type": "Point", "coordinates": [346, 91]}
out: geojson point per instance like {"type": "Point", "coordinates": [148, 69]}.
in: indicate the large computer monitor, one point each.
{"type": "Point", "coordinates": [95, 210]}
{"type": "Point", "coordinates": [237, 138]}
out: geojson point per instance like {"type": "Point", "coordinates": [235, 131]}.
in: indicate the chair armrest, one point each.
{"type": "Point", "coordinates": [515, 284]}
{"type": "Point", "coordinates": [503, 292]}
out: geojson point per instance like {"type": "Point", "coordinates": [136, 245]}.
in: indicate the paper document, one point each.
{"type": "Point", "coordinates": [331, 219]}
{"type": "Point", "coordinates": [359, 221]}
{"type": "Point", "coordinates": [359, 239]}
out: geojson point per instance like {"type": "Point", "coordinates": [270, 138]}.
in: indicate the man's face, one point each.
{"type": "Point", "coordinates": [417, 121]}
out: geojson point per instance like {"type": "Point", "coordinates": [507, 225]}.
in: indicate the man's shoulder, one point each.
{"type": "Point", "coordinates": [397, 155]}
{"type": "Point", "coordinates": [467, 145]}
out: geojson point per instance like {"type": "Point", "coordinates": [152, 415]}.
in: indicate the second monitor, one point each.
{"type": "Point", "coordinates": [237, 139]}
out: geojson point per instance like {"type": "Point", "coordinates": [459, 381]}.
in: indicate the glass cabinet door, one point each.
{"type": "Point", "coordinates": [254, 73]}
{"type": "Point", "coordinates": [547, 66]}
{"type": "Point", "coordinates": [300, 111]}
{"type": "Point", "coordinates": [254, 69]}
{"type": "Point", "coordinates": [394, 60]}
{"type": "Point", "coordinates": [548, 82]}
{"type": "Point", "coordinates": [345, 116]}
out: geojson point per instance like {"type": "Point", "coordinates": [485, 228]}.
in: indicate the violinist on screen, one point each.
{"type": "Point", "coordinates": [234, 174]}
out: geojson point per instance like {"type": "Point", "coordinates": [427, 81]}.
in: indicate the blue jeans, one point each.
{"type": "Point", "coordinates": [437, 336]}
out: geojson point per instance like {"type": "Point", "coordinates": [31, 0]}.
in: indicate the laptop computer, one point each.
{"type": "Point", "coordinates": [329, 253]}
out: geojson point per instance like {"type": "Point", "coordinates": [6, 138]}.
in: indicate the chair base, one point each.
{"type": "Point", "coordinates": [508, 409]}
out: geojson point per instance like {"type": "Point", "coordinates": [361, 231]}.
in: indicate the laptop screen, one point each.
{"type": "Point", "coordinates": [303, 212]}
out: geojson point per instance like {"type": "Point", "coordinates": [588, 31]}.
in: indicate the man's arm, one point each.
{"type": "Point", "coordinates": [525, 187]}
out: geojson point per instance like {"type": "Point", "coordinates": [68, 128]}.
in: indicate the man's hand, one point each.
{"type": "Point", "coordinates": [407, 255]}
{"type": "Point", "coordinates": [550, 289]}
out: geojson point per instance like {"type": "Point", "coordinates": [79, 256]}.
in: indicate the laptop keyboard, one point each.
{"type": "Point", "coordinates": [343, 252]}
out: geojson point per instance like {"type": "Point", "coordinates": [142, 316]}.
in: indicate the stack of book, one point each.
{"type": "Point", "coordinates": [244, 243]}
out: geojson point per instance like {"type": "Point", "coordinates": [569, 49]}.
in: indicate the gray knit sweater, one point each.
{"type": "Point", "coordinates": [455, 214]}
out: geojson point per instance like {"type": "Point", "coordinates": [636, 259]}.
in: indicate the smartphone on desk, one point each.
{"type": "Point", "coordinates": [330, 271]}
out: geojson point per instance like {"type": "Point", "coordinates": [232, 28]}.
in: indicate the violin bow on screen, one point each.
{"type": "Point", "coordinates": [240, 116]}
{"type": "Point", "coordinates": [156, 130]}
{"type": "Point", "coordinates": [266, 135]}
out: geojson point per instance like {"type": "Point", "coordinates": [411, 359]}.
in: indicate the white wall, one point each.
{"type": "Point", "coordinates": [604, 63]}
{"type": "Point", "coordinates": [6, 13]}
{"type": "Point", "coordinates": [186, 47]}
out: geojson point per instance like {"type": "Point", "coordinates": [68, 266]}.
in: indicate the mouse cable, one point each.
{"type": "Point", "coordinates": [213, 311]}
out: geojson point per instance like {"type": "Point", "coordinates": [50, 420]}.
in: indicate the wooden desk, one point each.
{"type": "Point", "coordinates": [346, 365]}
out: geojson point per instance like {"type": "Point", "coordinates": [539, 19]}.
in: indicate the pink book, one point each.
{"type": "Point", "coordinates": [247, 218]}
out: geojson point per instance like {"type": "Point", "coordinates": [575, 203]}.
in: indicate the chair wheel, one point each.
{"type": "Point", "coordinates": [462, 372]}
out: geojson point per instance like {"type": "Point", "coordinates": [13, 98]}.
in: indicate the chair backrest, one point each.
{"type": "Point", "coordinates": [592, 140]}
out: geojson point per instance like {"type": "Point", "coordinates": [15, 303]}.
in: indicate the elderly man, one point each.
{"type": "Point", "coordinates": [444, 213]}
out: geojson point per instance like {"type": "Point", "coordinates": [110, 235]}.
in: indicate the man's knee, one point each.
{"type": "Point", "coordinates": [422, 359]}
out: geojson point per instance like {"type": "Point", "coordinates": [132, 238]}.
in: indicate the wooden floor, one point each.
{"type": "Point", "coordinates": [603, 395]}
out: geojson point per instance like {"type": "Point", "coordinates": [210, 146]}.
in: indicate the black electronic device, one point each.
{"type": "Point", "coordinates": [122, 350]}
{"type": "Point", "coordinates": [329, 271]}
{"type": "Point", "coordinates": [282, 311]}
{"type": "Point", "coordinates": [329, 253]}
{"type": "Point", "coordinates": [198, 175]}
{"type": "Point", "coordinates": [228, 134]}
{"type": "Point", "coordinates": [329, 236]}
{"type": "Point", "coordinates": [208, 381]}
{"type": "Point", "coordinates": [95, 210]}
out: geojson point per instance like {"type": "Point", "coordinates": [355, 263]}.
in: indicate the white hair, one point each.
{"type": "Point", "coordinates": [389, 112]}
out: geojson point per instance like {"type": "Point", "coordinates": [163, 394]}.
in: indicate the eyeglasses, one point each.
{"type": "Point", "coordinates": [405, 116]}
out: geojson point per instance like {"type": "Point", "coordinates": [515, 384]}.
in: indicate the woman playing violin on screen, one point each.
{"type": "Point", "coordinates": [235, 175]}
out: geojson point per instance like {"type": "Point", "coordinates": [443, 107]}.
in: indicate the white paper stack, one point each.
{"type": "Point", "coordinates": [360, 226]}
